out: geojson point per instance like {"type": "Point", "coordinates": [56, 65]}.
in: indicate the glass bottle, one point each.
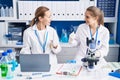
{"type": "Point", "coordinates": [64, 36]}
{"type": "Point", "coordinates": [4, 65]}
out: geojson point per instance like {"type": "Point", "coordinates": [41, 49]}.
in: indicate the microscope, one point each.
{"type": "Point", "coordinates": [90, 60]}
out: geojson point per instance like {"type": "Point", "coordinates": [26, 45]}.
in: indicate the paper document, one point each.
{"type": "Point", "coordinates": [69, 69]}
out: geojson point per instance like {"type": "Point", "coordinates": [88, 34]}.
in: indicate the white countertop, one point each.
{"type": "Point", "coordinates": [100, 74]}
{"type": "Point", "coordinates": [62, 45]}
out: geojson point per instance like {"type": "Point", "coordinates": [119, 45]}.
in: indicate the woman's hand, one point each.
{"type": "Point", "coordinates": [71, 37]}
{"type": "Point", "coordinates": [97, 54]}
{"type": "Point", "coordinates": [53, 45]}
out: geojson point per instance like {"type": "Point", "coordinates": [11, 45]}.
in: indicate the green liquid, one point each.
{"type": "Point", "coordinates": [4, 70]}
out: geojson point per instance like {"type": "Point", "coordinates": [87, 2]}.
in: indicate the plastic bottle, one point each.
{"type": "Point", "coordinates": [12, 59]}
{"type": "Point", "coordinates": [12, 64]}
{"type": "Point", "coordinates": [10, 72]}
{"type": "Point", "coordinates": [1, 51]}
{"type": "Point", "coordinates": [4, 65]}
{"type": "Point", "coordinates": [11, 55]}
{"type": "Point", "coordinates": [11, 12]}
{"type": "Point", "coordinates": [2, 12]}
{"type": "Point", "coordinates": [6, 11]}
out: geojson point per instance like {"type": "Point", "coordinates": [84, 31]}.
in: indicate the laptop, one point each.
{"type": "Point", "coordinates": [34, 63]}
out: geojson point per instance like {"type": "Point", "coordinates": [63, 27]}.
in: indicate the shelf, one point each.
{"type": "Point", "coordinates": [11, 46]}
{"type": "Point", "coordinates": [8, 18]}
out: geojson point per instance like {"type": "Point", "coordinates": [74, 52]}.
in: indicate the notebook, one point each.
{"type": "Point", "coordinates": [34, 62]}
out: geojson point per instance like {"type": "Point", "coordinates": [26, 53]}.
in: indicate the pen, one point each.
{"type": "Point", "coordinates": [46, 75]}
{"type": "Point", "coordinates": [28, 77]}
{"type": "Point", "coordinates": [36, 73]}
{"type": "Point", "coordinates": [21, 75]}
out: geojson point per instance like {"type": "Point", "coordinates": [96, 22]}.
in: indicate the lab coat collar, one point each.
{"type": "Point", "coordinates": [34, 27]}
{"type": "Point", "coordinates": [100, 27]}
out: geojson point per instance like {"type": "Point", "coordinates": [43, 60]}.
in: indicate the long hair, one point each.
{"type": "Point", "coordinates": [40, 12]}
{"type": "Point", "coordinates": [96, 12]}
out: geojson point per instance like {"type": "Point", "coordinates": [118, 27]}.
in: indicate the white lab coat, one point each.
{"type": "Point", "coordinates": [31, 44]}
{"type": "Point", "coordinates": [82, 33]}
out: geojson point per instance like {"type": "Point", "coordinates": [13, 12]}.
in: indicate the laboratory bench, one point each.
{"type": "Point", "coordinates": [99, 74]}
{"type": "Point", "coordinates": [69, 52]}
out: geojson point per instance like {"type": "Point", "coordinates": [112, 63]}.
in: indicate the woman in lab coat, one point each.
{"type": "Point", "coordinates": [93, 29]}
{"type": "Point", "coordinates": [40, 38]}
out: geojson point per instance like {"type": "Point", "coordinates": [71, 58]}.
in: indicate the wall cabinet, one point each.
{"type": "Point", "coordinates": [61, 9]}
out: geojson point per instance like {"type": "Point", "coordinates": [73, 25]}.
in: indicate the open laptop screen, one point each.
{"type": "Point", "coordinates": [34, 62]}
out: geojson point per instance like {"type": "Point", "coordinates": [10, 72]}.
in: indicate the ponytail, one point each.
{"type": "Point", "coordinates": [33, 21]}
{"type": "Point", "coordinates": [101, 18]}
{"type": "Point", "coordinates": [40, 11]}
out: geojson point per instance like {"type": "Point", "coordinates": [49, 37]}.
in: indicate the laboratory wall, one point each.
{"type": "Point", "coordinates": [118, 30]}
